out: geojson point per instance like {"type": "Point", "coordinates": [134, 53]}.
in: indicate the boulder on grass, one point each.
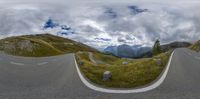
{"type": "Point", "coordinates": [158, 62]}
{"type": "Point", "coordinates": [81, 63]}
{"type": "Point", "coordinates": [107, 76]}
{"type": "Point", "coordinates": [125, 63]}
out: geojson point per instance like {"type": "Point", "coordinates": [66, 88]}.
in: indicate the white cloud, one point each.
{"type": "Point", "coordinates": [177, 22]}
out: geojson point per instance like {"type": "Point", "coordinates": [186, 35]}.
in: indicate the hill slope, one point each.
{"type": "Point", "coordinates": [126, 72]}
{"type": "Point", "coordinates": [174, 45]}
{"type": "Point", "coordinates": [196, 46]}
{"type": "Point", "coordinates": [41, 45]}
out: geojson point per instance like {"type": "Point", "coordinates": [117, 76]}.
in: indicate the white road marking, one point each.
{"type": "Point", "coordinates": [15, 63]}
{"type": "Point", "coordinates": [43, 63]}
{"type": "Point", "coordinates": [144, 89]}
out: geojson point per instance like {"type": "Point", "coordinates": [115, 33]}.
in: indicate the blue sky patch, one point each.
{"type": "Point", "coordinates": [50, 24]}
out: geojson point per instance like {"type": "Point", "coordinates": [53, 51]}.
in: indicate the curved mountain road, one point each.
{"type": "Point", "coordinates": [57, 78]}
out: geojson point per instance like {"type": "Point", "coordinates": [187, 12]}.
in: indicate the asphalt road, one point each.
{"type": "Point", "coordinates": [57, 78]}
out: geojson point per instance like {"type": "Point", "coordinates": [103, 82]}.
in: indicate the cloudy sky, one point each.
{"type": "Point", "coordinates": [104, 23]}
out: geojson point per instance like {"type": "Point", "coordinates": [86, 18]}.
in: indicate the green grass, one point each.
{"type": "Point", "coordinates": [109, 59]}
{"type": "Point", "coordinates": [137, 73]}
{"type": "Point", "coordinates": [196, 46]}
{"type": "Point", "coordinates": [42, 45]}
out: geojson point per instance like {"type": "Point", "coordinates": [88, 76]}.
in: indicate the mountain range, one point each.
{"type": "Point", "coordinates": [138, 51]}
{"type": "Point", "coordinates": [128, 51]}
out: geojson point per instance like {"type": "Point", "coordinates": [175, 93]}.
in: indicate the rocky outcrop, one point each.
{"type": "Point", "coordinates": [124, 63]}
{"type": "Point", "coordinates": [107, 76]}
{"type": "Point", "coordinates": [18, 46]}
{"type": "Point", "coordinates": [25, 44]}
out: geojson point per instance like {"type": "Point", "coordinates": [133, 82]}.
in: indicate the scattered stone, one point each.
{"type": "Point", "coordinates": [124, 63]}
{"type": "Point", "coordinates": [158, 62]}
{"type": "Point", "coordinates": [107, 75]}
{"type": "Point", "coordinates": [25, 44]}
{"type": "Point", "coordinates": [81, 63]}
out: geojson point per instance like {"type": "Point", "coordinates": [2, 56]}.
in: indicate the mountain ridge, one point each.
{"type": "Point", "coordinates": [138, 51]}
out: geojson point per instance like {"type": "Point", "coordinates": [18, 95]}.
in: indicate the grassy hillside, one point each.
{"type": "Point", "coordinates": [137, 72]}
{"type": "Point", "coordinates": [196, 46]}
{"type": "Point", "coordinates": [41, 45]}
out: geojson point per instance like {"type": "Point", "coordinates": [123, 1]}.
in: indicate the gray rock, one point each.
{"type": "Point", "coordinates": [107, 76]}
{"type": "Point", "coordinates": [81, 63]}
{"type": "Point", "coordinates": [9, 47]}
{"type": "Point", "coordinates": [25, 44]}
{"type": "Point", "coordinates": [124, 63]}
{"type": "Point", "coordinates": [158, 62]}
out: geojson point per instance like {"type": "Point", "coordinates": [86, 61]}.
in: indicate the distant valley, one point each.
{"type": "Point", "coordinates": [139, 51]}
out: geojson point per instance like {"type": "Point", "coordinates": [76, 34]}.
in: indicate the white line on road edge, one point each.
{"type": "Point", "coordinates": [19, 64]}
{"type": "Point", "coordinates": [105, 90]}
{"type": "Point", "coordinates": [43, 63]}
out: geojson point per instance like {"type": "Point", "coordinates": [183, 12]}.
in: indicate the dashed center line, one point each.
{"type": "Point", "coordinates": [43, 63]}
{"type": "Point", "coordinates": [15, 63]}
